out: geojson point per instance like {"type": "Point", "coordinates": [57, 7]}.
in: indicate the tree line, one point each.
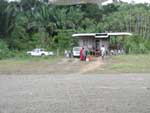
{"type": "Point", "coordinates": [29, 24]}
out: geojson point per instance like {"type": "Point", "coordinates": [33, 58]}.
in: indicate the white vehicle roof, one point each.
{"type": "Point", "coordinates": [76, 48]}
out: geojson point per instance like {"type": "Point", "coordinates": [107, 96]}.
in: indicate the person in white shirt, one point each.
{"type": "Point", "coordinates": [103, 51]}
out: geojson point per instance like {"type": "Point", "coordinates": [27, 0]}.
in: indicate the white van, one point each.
{"type": "Point", "coordinates": [76, 51]}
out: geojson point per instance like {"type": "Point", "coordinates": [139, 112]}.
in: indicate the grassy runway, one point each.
{"type": "Point", "coordinates": [127, 64]}
{"type": "Point", "coordinates": [47, 65]}
{"type": "Point", "coordinates": [27, 65]}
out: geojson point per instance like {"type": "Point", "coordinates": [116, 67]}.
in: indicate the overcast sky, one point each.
{"type": "Point", "coordinates": [138, 1]}
{"type": "Point", "coordinates": [129, 1]}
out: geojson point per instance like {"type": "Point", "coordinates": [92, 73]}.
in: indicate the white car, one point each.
{"type": "Point", "coordinates": [40, 52]}
{"type": "Point", "coordinates": [76, 51]}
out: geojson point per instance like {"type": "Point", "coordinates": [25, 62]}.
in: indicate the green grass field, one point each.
{"type": "Point", "coordinates": [47, 65]}
{"type": "Point", "coordinates": [127, 64]}
{"type": "Point", "coordinates": [27, 65]}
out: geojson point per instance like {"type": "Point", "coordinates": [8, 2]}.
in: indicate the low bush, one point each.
{"type": "Point", "coordinates": [4, 51]}
{"type": "Point", "coordinates": [137, 45]}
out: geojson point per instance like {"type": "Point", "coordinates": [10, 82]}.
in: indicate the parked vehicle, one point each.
{"type": "Point", "coordinates": [40, 52]}
{"type": "Point", "coordinates": [76, 51]}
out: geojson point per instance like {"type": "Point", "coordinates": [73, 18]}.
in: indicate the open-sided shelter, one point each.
{"type": "Point", "coordinates": [96, 40]}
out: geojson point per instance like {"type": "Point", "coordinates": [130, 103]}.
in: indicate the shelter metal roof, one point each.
{"type": "Point", "coordinates": [120, 34]}
{"type": "Point", "coordinates": [83, 34]}
{"type": "Point", "coordinates": [102, 35]}
{"type": "Point", "coordinates": [72, 2]}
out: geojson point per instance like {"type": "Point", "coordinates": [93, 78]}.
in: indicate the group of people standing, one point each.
{"type": "Point", "coordinates": [84, 53]}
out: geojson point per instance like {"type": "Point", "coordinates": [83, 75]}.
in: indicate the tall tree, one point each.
{"type": "Point", "coordinates": [7, 18]}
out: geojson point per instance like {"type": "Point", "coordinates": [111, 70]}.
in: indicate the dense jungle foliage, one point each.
{"type": "Point", "coordinates": [30, 23]}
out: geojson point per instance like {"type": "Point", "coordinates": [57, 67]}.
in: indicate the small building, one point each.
{"type": "Point", "coordinates": [96, 40]}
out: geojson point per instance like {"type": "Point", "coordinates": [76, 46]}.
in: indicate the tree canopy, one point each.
{"type": "Point", "coordinates": [32, 23]}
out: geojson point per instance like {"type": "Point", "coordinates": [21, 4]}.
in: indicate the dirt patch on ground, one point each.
{"type": "Point", "coordinates": [74, 65]}
{"type": "Point", "coordinates": [62, 65]}
{"type": "Point", "coordinates": [91, 66]}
